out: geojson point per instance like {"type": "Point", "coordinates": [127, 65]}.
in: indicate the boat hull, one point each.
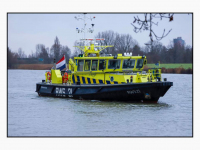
{"type": "Point", "coordinates": [134, 92]}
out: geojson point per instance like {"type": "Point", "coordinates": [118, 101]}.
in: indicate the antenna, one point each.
{"type": "Point", "coordinates": [92, 47]}
{"type": "Point", "coordinates": [84, 29]}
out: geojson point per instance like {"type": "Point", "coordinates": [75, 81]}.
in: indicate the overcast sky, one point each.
{"type": "Point", "coordinates": [27, 30]}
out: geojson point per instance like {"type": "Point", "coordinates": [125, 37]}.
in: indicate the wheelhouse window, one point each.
{"type": "Point", "coordinates": [94, 65]}
{"type": "Point", "coordinates": [139, 63]}
{"type": "Point", "coordinates": [80, 65]}
{"type": "Point", "coordinates": [129, 63]}
{"type": "Point", "coordinates": [114, 64]}
{"type": "Point", "coordinates": [102, 64]}
{"type": "Point", "coordinates": [87, 65]}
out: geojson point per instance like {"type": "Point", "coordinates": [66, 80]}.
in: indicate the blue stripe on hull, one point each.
{"type": "Point", "coordinates": [73, 79]}
{"type": "Point", "coordinates": [78, 79]}
{"type": "Point", "coordinates": [94, 81]}
{"type": "Point", "coordinates": [83, 78]}
{"type": "Point", "coordinates": [108, 82]}
{"type": "Point", "coordinates": [100, 81]}
{"type": "Point", "coordinates": [88, 80]}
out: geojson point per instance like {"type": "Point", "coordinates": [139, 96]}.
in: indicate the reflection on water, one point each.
{"type": "Point", "coordinates": [121, 104]}
{"type": "Point", "coordinates": [31, 115]}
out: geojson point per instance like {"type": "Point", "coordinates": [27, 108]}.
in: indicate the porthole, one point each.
{"type": "Point", "coordinates": [112, 79]}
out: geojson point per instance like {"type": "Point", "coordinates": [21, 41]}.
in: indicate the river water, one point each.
{"type": "Point", "coordinates": [31, 115]}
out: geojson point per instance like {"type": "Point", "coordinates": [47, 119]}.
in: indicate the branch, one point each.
{"type": "Point", "coordinates": [163, 35]}
{"type": "Point", "coordinates": [146, 24]}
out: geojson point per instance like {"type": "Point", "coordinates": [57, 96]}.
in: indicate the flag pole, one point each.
{"type": "Point", "coordinates": [54, 64]}
{"type": "Point", "coordinates": [65, 63]}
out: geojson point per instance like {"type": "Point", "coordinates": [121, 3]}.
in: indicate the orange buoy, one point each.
{"type": "Point", "coordinates": [49, 75]}
{"type": "Point", "coordinates": [65, 77]}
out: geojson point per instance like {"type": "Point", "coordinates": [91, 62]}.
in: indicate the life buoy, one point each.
{"type": "Point", "coordinates": [65, 77]}
{"type": "Point", "coordinates": [49, 75]}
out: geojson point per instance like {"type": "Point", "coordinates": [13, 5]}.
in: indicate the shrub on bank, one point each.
{"type": "Point", "coordinates": [177, 70]}
{"type": "Point", "coordinates": [35, 66]}
{"type": "Point", "coordinates": [174, 70]}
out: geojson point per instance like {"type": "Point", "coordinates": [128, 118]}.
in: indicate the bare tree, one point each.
{"type": "Point", "coordinates": [124, 43]}
{"type": "Point", "coordinates": [11, 58]}
{"type": "Point", "coordinates": [136, 50]}
{"type": "Point", "coordinates": [32, 55]}
{"type": "Point", "coordinates": [42, 52]}
{"type": "Point", "coordinates": [66, 51]}
{"type": "Point", "coordinates": [56, 48]}
{"type": "Point", "coordinates": [77, 50]}
{"type": "Point", "coordinates": [147, 23]}
{"type": "Point", "coordinates": [109, 37]}
{"type": "Point", "coordinates": [21, 53]}
{"type": "Point", "coordinates": [39, 48]}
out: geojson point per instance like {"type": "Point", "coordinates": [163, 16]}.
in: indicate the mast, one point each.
{"type": "Point", "coordinates": [84, 29]}
{"type": "Point", "coordinates": [92, 41]}
{"type": "Point", "coordinates": [84, 25]}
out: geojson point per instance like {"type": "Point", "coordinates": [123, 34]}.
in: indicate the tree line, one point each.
{"type": "Point", "coordinates": [154, 50]}
{"type": "Point", "coordinates": [122, 43]}
{"type": "Point", "coordinates": [42, 54]}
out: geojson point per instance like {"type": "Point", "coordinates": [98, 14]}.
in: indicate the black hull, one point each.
{"type": "Point", "coordinates": [134, 92]}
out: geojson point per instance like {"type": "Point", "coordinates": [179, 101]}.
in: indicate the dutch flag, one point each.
{"type": "Point", "coordinates": [61, 64]}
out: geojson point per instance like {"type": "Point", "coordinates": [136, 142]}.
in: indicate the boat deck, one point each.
{"type": "Point", "coordinates": [164, 83]}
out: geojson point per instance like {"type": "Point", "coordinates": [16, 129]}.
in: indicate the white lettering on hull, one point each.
{"type": "Point", "coordinates": [60, 92]}
{"type": "Point", "coordinates": [134, 92]}
{"type": "Point", "coordinates": [70, 92]}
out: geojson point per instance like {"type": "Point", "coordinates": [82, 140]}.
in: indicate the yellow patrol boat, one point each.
{"type": "Point", "coordinates": [96, 76]}
{"type": "Point", "coordinates": [105, 77]}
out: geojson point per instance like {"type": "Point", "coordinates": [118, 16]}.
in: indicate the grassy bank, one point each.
{"type": "Point", "coordinates": [174, 70]}
{"type": "Point", "coordinates": [166, 68]}
{"type": "Point", "coordinates": [172, 66]}
{"type": "Point", "coordinates": [35, 66]}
